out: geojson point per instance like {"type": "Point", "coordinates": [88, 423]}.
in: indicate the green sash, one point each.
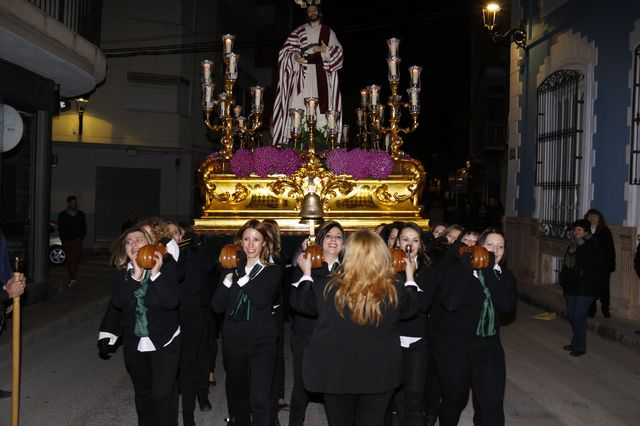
{"type": "Point", "coordinates": [486, 325]}
{"type": "Point", "coordinates": [141, 328]}
{"type": "Point", "coordinates": [242, 306]}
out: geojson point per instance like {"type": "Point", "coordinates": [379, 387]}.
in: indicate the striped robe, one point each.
{"type": "Point", "coordinates": [291, 89]}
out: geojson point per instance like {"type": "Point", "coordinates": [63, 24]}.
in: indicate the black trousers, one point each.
{"type": "Point", "coordinates": [192, 377]}
{"type": "Point", "coordinates": [475, 363]}
{"type": "Point", "coordinates": [359, 410]}
{"type": "Point", "coordinates": [409, 398]}
{"type": "Point", "coordinates": [604, 294]}
{"type": "Point", "coordinates": [299, 396]}
{"type": "Point", "coordinates": [432, 394]}
{"type": "Point", "coordinates": [250, 366]}
{"type": "Point", "coordinates": [154, 382]}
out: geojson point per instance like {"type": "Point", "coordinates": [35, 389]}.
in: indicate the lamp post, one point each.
{"type": "Point", "coordinates": [81, 107]}
{"type": "Point", "coordinates": [518, 35]}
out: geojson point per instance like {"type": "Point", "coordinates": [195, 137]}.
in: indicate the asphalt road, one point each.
{"type": "Point", "coordinates": [65, 383]}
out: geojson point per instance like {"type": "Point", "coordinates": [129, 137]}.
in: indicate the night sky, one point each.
{"type": "Point", "coordinates": [437, 37]}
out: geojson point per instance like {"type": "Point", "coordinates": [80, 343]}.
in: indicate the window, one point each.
{"type": "Point", "coordinates": [634, 175]}
{"type": "Point", "coordinates": [559, 150]}
{"type": "Point", "coordinates": [157, 93]}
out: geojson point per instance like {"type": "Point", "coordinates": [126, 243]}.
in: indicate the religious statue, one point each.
{"type": "Point", "coordinates": [308, 65]}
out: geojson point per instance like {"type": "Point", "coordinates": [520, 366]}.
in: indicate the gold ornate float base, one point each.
{"type": "Point", "coordinates": [229, 200]}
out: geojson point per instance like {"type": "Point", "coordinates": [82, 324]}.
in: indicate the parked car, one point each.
{"type": "Point", "coordinates": [57, 255]}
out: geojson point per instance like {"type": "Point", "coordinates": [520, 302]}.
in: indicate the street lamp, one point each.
{"type": "Point", "coordinates": [516, 35]}
{"type": "Point", "coordinates": [81, 107]}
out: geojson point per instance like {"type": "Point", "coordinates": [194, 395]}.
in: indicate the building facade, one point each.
{"type": "Point", "coordinates": [143, 135]}
{"type": "Point", "coordinates": [48, 50]}
{"type": "Point", "coordinates": [573, 140]}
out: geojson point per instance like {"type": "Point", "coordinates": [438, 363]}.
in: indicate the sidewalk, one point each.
{"type": "Point", "coordinates": [69, 306]}
{"type": "Point", "coordinates": [91, 295]}
{"type": "Point", "coordinates": [549, 298]}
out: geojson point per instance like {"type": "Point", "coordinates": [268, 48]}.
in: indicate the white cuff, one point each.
{"type": "Point", "coordinates": [242, 281]}
{"type": "Point", "coordinates": [173, 249]}
{"type": "Point", "coordinates": [227, 283]}
{"type": "Point", "coordinates": [304, 278]}
{"type": "Point", "coordinates": [104, 335]}
{"type": "Point", "coordinates": [155, 277]}
{"type": "Point", "coordinates": [413, 284]}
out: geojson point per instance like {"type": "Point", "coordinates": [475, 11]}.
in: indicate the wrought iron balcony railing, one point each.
{"type": "Point", "coordinates": [81, 16]}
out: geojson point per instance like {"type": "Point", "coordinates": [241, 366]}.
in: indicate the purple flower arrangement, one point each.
{"type": "Point", "coordinates": [265, 161]}
{"type": "Point", "coordinates": [360, 163]}
{"type": "Point", "coordinates": [268, 160]}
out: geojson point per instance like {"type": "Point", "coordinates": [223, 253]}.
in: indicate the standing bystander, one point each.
{"type": "Point", "coordinates": [72, 226]}
{"type": "Point", "coordinates": [604, 240]}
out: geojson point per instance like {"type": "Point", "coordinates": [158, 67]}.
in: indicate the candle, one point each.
{"type": "Point", "coordinates": [233, 60]}
{"type": "Point", "coordinates": [393, 68]}
{"type": "Point", "coordinates": [222, 103]}
{"type": "Point", "coordinates": [331, 120]}
{"type": "Point", "coordinates": [387, 141]}
{"type": "Point", "coordinates": [414, 75]}
{"type": "Point", "coordinates": [206, 69]}
{"type": "Point", "coordinates": [380, 111]}
{"type": "Point", "coordinates": [364, 98]}
{"type": "Point", "coordinates": [296, 119]}
{"type": "Point", "coordinates": [311, 104]}
{"type": "Point", "coordinates": [256, 91]}
{"type": "Point", "coordinates": [237, 110]}
{"type": "Point", "coordinates": [227, 43]}
{"type": "Point", "coordinates": [345, 134]}
{"type": "Point", "coordinates": [374, 92]}
{"type": "Point", "coordinates": [207, 98]}
{"type": "Point", "coordinates": [359, 116]}
{"type": "Point", "coordinates": [413, 96]}
{"type": "Point", "coordinates": [394, 44]}
{"type": "Point", "coordinates": [241, 122]}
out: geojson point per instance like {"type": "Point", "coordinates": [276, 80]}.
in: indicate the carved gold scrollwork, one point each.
{"type": "Point", "coordinates": [412, 168]}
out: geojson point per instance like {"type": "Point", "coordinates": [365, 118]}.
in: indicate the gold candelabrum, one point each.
{"type": "Point", "coordinates": [230, 120]}
{"type": "Point", "coordinates": [370, 116]}
{"type": "Point", "coordinates": [310, 119]}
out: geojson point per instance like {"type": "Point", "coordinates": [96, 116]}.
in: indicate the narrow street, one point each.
{"type": "Point", "coordinates": [64, 382]}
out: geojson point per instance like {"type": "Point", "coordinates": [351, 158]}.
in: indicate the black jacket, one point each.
{"type": "Point", "coordinates": [604, 240]}
{"type": "Point", "coordinates": [344, 357]}
{"type": "Point", "coordinates": [261, 290]}
{"type": "Point", "coordinates": [72, 227]}
{"type": "Point", "coordinates": [303, 324]}
{"type": "Point", "coordinates": [584, 278]}
{"type": "Point", "coordinates": [161, 300]}
{"type": "Point", "coordinates": [462, 298]}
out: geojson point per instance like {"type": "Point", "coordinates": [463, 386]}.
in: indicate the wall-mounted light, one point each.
{"type": "Point", "coordinates": [516, 35]}
{"type": "Point", "coordinates": [81, 107]}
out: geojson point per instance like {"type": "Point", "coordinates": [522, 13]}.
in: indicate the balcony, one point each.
{"type": "Point", "coordinates": [57, 39]}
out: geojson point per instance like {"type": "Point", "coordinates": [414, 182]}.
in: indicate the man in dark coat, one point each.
{"type": "Point", "coordinates": [72, 227]}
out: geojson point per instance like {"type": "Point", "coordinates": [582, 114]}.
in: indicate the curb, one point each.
{"type": "Point", "coordinates": [64, 322]}
{"type": "Point", "coordinates": [597, 325]}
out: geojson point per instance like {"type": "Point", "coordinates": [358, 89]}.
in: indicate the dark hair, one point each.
{"type": "Point", "coordinates": [601, 221]}
{"type": "Point", "coordinates": [423, 259]}
{"type": "Point", "coordinates": [274, 232]}
{"type": "Point", "coordinates": [324, 228]}
{"type": "Point", "coordinates": [582, 223]}
{"type": "Point", "coordinates": [263, 230]}
{"type": "Point", "coordinates": [71, 197]}
{"type": "Point", "coordinates": [484, 236]}
{"type": "Point", "coordinates": [386, 231]}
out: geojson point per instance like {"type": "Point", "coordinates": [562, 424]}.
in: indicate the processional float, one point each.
{"type": "Point", "coordinates": [361, 188]}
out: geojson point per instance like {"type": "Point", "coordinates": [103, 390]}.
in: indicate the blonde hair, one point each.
{"type": "Point", "coordinates": [365, 283]}
{"type": "Point", "coordinates": [159, 228]}
{"type": "Point", "coordinates": [119, 257]}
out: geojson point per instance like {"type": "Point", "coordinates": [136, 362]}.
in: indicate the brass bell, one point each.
{"type": "Point", "coordinates": [311, 207]}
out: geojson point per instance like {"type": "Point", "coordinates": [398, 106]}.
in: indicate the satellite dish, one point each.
{"type": "Point", "coordinates": [11, 126]}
